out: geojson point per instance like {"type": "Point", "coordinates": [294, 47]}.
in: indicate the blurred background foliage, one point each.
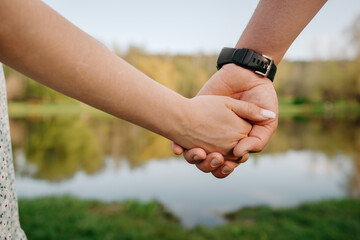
{"type": "Point", "coordinates": [131, 220]}
{"type": "Point", "coordinates": [59, 146]}
{"type": "Point", "coordinates": [299, 81]}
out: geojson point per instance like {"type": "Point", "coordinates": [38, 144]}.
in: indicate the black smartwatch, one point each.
{"type": "Point", "coordinates": [249, 59]}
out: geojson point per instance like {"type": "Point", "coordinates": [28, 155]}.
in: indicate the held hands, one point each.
{"type": "Point", "coordinates": [247, 86]}
{"type": "Point", "coordinates": [213, 123]}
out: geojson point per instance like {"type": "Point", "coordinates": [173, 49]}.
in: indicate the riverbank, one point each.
{"type": "Point", "coordinates": [71, 218]}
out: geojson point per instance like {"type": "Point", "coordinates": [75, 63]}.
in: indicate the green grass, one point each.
{"type": "Point", "coordinates": [70, 218]}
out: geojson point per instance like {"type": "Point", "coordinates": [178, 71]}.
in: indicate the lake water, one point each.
{"type": "Point", "coordinates": [308, 159]}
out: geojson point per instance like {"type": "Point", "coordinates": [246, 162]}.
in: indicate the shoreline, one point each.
{"type": "Point", "coordinates": [66, 217]}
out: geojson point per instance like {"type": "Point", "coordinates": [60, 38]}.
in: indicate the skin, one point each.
{"type": "Point", "coordinates": [272, 29]}
{"type": "Point", "coordinates": [249, 87]}
{"type": "Point", "coordinates": [43, 45]}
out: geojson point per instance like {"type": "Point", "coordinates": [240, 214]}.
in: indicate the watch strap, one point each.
{"type": "Point", "coordinates": [248, 59]}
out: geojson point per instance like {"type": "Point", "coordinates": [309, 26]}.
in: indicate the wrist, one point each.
{"type": "Point", "coordinates": [248, 59]}
{"type": "Point", "coordinates": [273, 53]}
{"type": "Point", "coordinates": [174, 123]}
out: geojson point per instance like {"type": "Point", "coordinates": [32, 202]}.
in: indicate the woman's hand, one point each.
{"type": "Point", "coordinates": [245, 85]}
{"type": "Point", "coordinates": [213, 123]}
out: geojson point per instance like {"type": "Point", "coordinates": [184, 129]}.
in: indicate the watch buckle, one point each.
{"type": "Point", "coordinates": [266, 74]}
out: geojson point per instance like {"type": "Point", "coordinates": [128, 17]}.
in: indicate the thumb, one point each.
{"type": "Point", "coordinates": [250, 111]}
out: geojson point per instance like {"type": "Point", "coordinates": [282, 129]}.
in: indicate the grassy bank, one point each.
{"type": "Point", "coordinates": [70, 218]}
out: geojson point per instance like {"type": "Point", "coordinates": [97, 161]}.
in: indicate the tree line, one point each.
{"type": "Point", "coordinates": [301, 82]}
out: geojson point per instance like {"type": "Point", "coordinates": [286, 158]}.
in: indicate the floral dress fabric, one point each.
{"type": "Point", "coordinates": [9, 217]}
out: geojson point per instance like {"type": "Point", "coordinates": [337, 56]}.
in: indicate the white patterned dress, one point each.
{"type": "Point", "coordinates": [9, 217]}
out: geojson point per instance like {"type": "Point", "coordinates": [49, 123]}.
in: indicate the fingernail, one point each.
{"type": "Point", "coordinates": [215, 163]}
{"type": "Point", "coordinates": [225, 170]}
{"type": "Point", "coordinates": [267, 113]}
{"type": "Point", "coordinates": [196, 158]}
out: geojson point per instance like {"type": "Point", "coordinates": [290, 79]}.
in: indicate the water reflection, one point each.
{"type": "Point", "coordinates": [331, 136]}
{"type": "Point", "coordinates": [107, 159]}
{"type": "Point", "coordinates": [58, 148]}
{"type": "Point", "coordinates": [277, 180]}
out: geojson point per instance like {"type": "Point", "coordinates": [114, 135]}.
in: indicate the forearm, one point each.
{"type": "Point", "coordinates": [275, 24]}
{"type": "Point", "coordinates": [40, 43]}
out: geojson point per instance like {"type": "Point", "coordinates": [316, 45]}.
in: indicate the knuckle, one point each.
{"type": "Point", "coordinates": [251, 109]}
{"type": "Point", "coordinates": [248, 109]}
{"type": "Point", "coordinates": [258, 148]}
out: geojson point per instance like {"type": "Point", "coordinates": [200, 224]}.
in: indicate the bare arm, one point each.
{"type": "Point", "coordinates": [273, 27]}
{"type": "Point", "coordinates": [43, 45]}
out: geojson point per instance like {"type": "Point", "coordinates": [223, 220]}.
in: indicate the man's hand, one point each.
{"type": "Point", "coordinates": [233, 81]}
{"type": "Point", "coordinates": [213, 123]}
{"type": "Point", "coordinates": [245, 85]}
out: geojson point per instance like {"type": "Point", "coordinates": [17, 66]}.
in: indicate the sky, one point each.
{"type": "Point", "coordinates": [193, 26]}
